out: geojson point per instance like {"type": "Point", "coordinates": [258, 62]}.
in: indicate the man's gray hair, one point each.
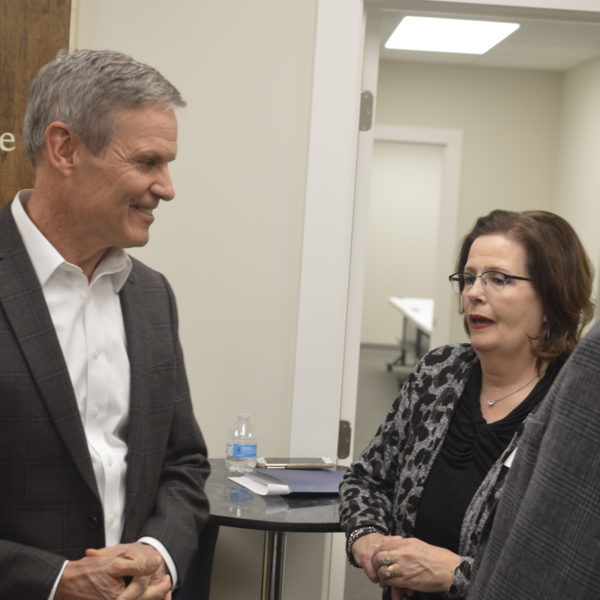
{"type": "Point", "coordinates": [82, 89]}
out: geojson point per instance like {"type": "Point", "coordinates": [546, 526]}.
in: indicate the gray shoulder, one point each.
{"type": "Point", "coordinates": [587, 353]}
{"type": "Point", "coordinates": [145, 275]}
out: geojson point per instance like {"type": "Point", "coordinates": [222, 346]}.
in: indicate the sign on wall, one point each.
{"type": "Point", "coordinates": [31, 33]}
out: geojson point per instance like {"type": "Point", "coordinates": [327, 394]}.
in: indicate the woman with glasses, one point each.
{"type": "Point", "coordinates": [416, 503]}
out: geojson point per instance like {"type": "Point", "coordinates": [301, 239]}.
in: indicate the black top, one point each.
{"type": "Point", "coordinates": [470, 449]}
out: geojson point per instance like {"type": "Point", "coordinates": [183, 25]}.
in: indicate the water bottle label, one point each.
{"type": "Point", "coordinates": [243, 450]}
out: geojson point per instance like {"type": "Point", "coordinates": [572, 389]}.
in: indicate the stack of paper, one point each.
{"type": "Point", "coordinates": [267, 482]}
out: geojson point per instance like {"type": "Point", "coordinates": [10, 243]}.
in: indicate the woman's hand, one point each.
{"type": "Point", "coordinates": [363, 550]}
{"type": "Point", "coordinates": [412, 564]}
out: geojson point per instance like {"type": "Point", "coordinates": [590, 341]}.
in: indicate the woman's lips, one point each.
{"type": "Point", "coordinates": [479, 321]}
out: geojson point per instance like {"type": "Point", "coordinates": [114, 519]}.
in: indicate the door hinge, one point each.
{"type": "Point", "coordinates": [344, 439]}
{"type": "Point", "coordinates": [365, 121]}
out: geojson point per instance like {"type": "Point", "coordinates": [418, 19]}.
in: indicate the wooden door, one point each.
{"type": "Point", "coordinates": [31, 33]}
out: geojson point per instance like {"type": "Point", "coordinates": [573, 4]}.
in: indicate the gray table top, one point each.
{"type": "Point", "coordinates": [235, 506]}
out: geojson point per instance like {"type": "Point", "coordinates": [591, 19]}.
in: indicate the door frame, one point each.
{"type": "Point", "coordinates": [325, 263]}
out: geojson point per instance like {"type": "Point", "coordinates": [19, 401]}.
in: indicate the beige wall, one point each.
{"type": "Point", "coordinates": [511, 125]}
{"type": "Point", "coordinates": [231, 242]}
{"type": "Point", "coordinates": [578, 198]}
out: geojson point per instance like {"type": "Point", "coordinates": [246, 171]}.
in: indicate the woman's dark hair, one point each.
{"type": "Point", "coordinates": [559, 268]}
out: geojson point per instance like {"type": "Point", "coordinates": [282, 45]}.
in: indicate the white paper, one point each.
{"type": "Point", "coordinates": [262, 489]}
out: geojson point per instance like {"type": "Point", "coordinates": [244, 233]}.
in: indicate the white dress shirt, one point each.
{"type": "Point", "coordinates": [89, 324]}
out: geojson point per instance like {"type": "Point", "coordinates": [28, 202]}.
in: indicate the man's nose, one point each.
{"type": "Point", "coordinates": [163, 186]}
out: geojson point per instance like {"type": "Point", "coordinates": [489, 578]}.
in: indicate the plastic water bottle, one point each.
{"type": "Point", "coordinates": [240, 455]}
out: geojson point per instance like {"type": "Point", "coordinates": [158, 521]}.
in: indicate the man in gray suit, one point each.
{"type": "Point", "coordinates": [102, 464]}
{"type": "Point", "coordinates": [545, 540]}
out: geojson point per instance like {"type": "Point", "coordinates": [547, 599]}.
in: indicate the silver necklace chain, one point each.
{"type": "Point", "coordinates": [491, 402]}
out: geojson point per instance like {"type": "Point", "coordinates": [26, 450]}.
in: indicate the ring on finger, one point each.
{"type": "Point", "coordinates": [387, 560]}
{"type": "Point", "coordinates": [389, 572]}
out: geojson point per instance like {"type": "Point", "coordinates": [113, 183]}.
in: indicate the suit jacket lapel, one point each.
{"type": "Point", "coordinates": [22, 300]}
{"type": "Point", "coordinates": [140, 370]}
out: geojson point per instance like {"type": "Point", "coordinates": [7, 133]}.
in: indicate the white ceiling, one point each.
{"type": "Point", "coordinates": [546, 40]}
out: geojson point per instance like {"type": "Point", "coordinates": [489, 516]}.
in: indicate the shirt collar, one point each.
{"type": "Point", "coordinates": [46, 258]}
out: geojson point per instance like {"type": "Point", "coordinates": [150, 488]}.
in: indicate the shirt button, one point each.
{"type": "Point", "coordinates": [95, 411]}
{"type": "Point", "coordinates": [110, 461]}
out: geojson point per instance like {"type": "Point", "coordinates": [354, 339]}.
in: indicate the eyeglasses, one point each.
{"type": "Point", "coordinates": [490, 280]}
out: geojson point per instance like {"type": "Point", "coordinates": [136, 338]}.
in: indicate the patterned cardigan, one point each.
{"type": "Point", "coordinates": [382, 489]}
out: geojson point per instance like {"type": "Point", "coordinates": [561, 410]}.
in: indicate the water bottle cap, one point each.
{"type": "Point", "coordinates": [244, 416]}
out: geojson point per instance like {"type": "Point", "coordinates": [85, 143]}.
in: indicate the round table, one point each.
{"type": "Point", "coordinates": [235, 506]}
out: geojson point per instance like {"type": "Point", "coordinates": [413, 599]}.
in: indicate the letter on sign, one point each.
{"type": "Point", "coordinates": [7, 142]}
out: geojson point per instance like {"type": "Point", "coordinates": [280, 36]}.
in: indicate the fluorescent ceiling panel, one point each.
{"type": "Point", "coordinates": [461, 36]}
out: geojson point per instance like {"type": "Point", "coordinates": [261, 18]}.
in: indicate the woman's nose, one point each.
{"type": "Point", "coordinates": [477, 289]}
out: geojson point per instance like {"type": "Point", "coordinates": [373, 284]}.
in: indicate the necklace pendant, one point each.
{"type": "Point", "coordinates": [491, 402]}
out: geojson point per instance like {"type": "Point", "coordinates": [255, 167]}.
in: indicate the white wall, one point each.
{"type": "Point", "coordinates": [579, 173]}
{"type": "Point", "coordinates": [511, 124]}
{"type": "Point", "coordinates": [231, 242]}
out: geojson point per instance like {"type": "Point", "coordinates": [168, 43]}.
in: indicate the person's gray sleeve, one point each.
{"type": "Point", "coordinates": [366, 492]}
{"type": "Point", "coordinates": [545, 540]}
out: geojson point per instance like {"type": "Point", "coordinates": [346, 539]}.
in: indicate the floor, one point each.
{"type": "Point", "coordinates": [377, 388]}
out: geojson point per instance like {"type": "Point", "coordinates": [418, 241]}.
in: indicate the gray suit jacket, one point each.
{"type": "Point", "coordinates": [545, 540]}
{"type": "Point", "coordinates": [49, 504]}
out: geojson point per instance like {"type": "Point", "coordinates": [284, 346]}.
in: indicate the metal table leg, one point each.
{"type": "Point", "coordinates": [272, 570]}
{"type": "Point", "coordinates": [401, 360]}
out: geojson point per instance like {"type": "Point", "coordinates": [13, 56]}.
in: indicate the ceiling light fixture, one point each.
{"type": "Point", "coordinates": [462, 36]}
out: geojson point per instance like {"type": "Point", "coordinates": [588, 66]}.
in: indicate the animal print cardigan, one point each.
{"type": "Point", "coordinates": [382, 489]}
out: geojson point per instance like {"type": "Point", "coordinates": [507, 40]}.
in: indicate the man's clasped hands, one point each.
{"type": "Point", "coordinates": [124, 572]}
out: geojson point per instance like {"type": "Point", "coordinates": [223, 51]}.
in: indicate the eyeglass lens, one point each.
{"type": "Point", "coordinates": [491, 279]}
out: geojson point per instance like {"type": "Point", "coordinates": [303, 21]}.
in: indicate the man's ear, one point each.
{"type": "Point", "coordinates": [62, 146]}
